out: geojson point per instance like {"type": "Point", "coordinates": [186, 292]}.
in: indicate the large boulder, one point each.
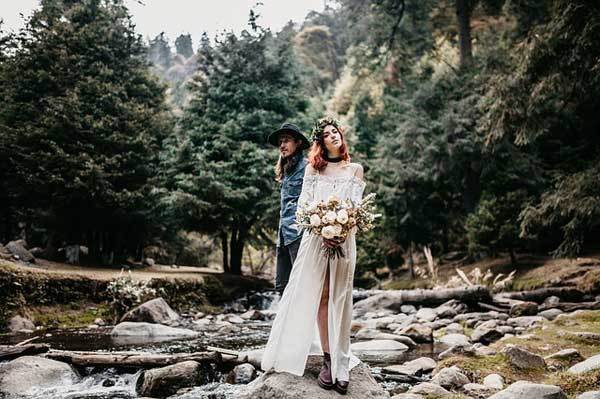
{"type": "Point", "coordinates": [524, 309]}
{"type": "Point", "coordinates": [417, 332]}
{"type": "Point", "coordinates": [155, 311]}
{"type": "Point", "coordinates": [371, 333]}
{"type": "Point", "coordinates": [18, 323]}
{"type": "Point", "coordinates": [455, 340]}
{"type": "Point", "coordinates": [590, 364]}
{"type": "Point", "coordinates": [19, 250]}
{"type": "Point", "coordinates": [21, 375]}
{"type": "Point", "coordinates": [272, 385]}
{"type": "Point", "coordinates": [450, 378]}
{"type": "Point", "coordinates": [429, 389]}
{"type": "Point", "coordinates": [165, 381]}
{"type": "Point", "coordinates": [130, 332]}
{"type": "Point", "coordinates": [522, 358]}
{"type": "Point", "coordinates": [379, 351]}
{"type": "Point", "coordinates": [241, 374]}
{"type": "Point", "coordinates": [528, 390]}
{"type": "Point", "coordinates": [414, 367]}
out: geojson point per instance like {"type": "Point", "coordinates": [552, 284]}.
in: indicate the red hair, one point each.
{"type": "Point", "coordinates": [317, 153]}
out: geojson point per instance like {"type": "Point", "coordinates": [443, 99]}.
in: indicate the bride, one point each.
{"type": "Point", "coordinates": [320, 292]}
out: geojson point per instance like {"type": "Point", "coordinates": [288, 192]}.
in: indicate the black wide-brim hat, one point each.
{"type": "Point", "coordinates": [288, 128]}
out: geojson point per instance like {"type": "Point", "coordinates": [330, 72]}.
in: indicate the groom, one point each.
{"type": "Point", "coordinates": [289, 172]}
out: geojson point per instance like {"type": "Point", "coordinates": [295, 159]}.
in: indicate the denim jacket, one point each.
{"type": "Point", "coordinates": [291, 187]}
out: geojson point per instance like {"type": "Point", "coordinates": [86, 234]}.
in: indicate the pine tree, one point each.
{"type": "Point", "coordinates": [84, 121]}
{"type": "Point", "coordinates": [219, 178]}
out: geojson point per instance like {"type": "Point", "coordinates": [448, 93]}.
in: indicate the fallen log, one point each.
{"type": "Point", "coordinates": [573, 306]}
{"type": "Point", "coordinates": [10, 352]}
{"type": "Point", "coordinates": [492, 307]}
{"type": "Point", "coordinates": [396, 298]}
{"type": "Point", "coordinates": [570, 294]}
{"type": "Point", "coordinates": [130, 359]}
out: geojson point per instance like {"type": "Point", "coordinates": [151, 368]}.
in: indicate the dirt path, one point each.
{"type": "Point", "coordinates": [107, 273]}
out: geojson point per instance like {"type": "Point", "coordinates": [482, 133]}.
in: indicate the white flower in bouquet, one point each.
{"type": "Point", "coordinates": [330, 217]}
{"type": "Point", "coordinates": [333, 199]}
{"type": "Point", "coordinates": [315, 220]}
{"type": "Point", "coordinates": [329, 232]}
{"type": "Point", "coordinates": [342, 216]}
{"type": "Point", "coordinates": [337, 229]}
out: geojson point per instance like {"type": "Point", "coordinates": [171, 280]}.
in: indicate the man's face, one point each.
{"type": "Point", "coordinates": [287, 145]}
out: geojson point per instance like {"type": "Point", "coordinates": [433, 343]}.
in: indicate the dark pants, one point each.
{"type": "Point", "coordinates": [286, 255]}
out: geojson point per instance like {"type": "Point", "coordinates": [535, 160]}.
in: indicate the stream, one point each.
{"type": "Point", "coordinates": [113, 383]}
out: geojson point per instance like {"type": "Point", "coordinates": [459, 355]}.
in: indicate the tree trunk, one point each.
{"type": "Point", "coordinates": [411, 261]}
{"type": "Point", "coordinates": [472, 186]}
{"type": "Point", "coordinates": [513, 257]}
{"type": "Point", "coordinates": [129, 359]}
{"type": "Point", "coordinates": [238, 240]}
{"type": "Point", "coordinates": [463, 16]}
{"type": "Point", "coordinates": [225, 249]}
{"type": "Point", "coordinates": [393, 299]}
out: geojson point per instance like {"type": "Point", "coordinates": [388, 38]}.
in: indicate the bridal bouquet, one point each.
{"type": "Point", "coordinates": [336, 219]}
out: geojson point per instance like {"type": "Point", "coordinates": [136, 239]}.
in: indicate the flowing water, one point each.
{"type": "Point", "coordinates": [113, 383]}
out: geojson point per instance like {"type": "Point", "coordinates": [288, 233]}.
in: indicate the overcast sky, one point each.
{"type": "Point", "coordinates": [175, 17]}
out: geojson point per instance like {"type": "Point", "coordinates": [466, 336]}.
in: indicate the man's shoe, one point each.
{"type": "Point", "coordinates": [325, 381]}
{"type": "Point", "coordinates": [341, 386]}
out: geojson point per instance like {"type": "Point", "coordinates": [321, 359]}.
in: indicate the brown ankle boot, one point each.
{"type": "Point", "coordinates": [325, 381]}
{"type": "Point", "coordinates": [341, 386]}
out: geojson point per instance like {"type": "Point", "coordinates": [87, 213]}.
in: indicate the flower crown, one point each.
{"type": "Point", "coordinates": [317, 130]}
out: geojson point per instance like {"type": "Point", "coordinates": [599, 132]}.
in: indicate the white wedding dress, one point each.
{"type": "Point", "coordinates": [294, 334]}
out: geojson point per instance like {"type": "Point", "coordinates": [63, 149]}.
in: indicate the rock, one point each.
{"type": "Point", "coordinates": [551, 314]}
{"type": "Point", "coordinates": [379, 351]}
{"type": "Point", "coordinates": [483, 350]}
{"type": "Point", "coordinates": [288, 386]}
{"type": "Point", "coordinates": [241, 374]}
{"type": "Point", "coordinates": [586, 336]}
{"type": "Point", "coordinates": [408, 309]}
{"type": "Point", "coordinates": [413, 368]}
{"type": "Point", "coordinates": [590, 364]}
{"type": "Point", "coordinates": [450, 309]}
{"type": "Point", "coordinates": [253, 314]}
{"type": "Point", "coordinates": [155, 311]}
{"type": "Point", "coordinates": [18, 323]}
{"type": "Point", "coordinates": [480, 316]}
{"type": "Point", "coordinates": [494, 381]}
{"type": "Point", "coordinates": [19, 376]}
{"type": "Point", "coordinates": [526, 321]}
{"type": "Point", "coordinates": [417, 332]}
{"type": "Point", "coordinates": [460, 350]}
{"type": "Point", "coordinates": [590, 395]}
{"type": "Point", "coordinates": [130, 332]}
{"type": "Point", "coordinates": [19, 250]}
{"type": "Point", "coordinates": [528, 390]}
{"type": "Point", "coordinates": [455, 340]}
{"type": "Point", "coordinates": [408, 396]}
{"type": "Point", "coordinates": [566, 355]}
{"type": "Point", "coordinates": [229, 329]}
{"type": "Point", "coordinates": [478, 391]}
{"type": "Point", "coordinates": [429, 389]}
{"type": "Point", "coordinates": [522, 358]}
{"type": "Point", "coordinates": [450, 378]}
{"type": "Point", "coordinates": [371, 333]}
{"type": "Point", "coordinates": [486, 335]}
{"type": "Point", "coordinates": [426, 314]}
{"type": "Point", "coordinates": [165, 381]}
{"type": "Point", "coordinates": [454, 328]}
{"type": "Point", "coordinates": [148, 262]}
{"type": "Point", "coordinates": [524, 309]}
{"type": "Point", "coordinates": [551, 301]}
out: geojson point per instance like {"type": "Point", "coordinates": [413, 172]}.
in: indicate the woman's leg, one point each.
{"type": "Point", "coordinates": [322, 314]}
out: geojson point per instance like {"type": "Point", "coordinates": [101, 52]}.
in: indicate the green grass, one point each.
{"type": "Point", "coordinates": [69, 316]}
{"type": "Point", "coordinates": [550, 338]}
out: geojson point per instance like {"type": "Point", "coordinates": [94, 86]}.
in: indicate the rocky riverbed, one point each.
{"type": "Point", "coordinates": [453, 349]}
